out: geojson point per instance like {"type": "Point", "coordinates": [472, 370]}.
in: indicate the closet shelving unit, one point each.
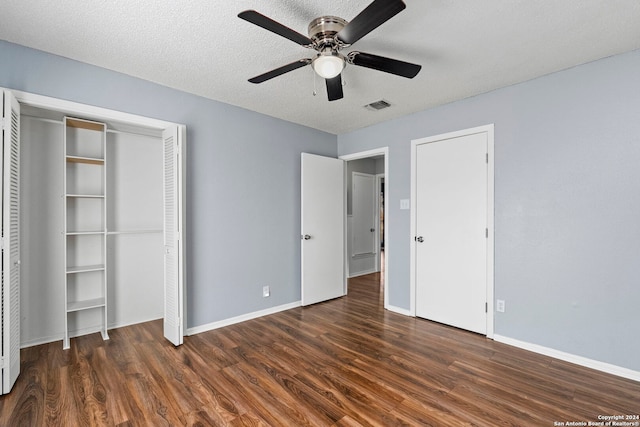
{"type": "Point", "coordinates": [85, 227]}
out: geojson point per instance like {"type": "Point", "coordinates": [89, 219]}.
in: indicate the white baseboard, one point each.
{"type": "Point", "coordinates": [117, 325]}
{"type": "Point", "coordinates": [241, 318]}
{"type": "Point", "coordinates": [572, 358]}
{"type": "Point", "coordinates": [399, 310]}
{"type": "Point", "coordinates": [362, 273]}
{"type": "Point", "coordinates": [42, 340]}
{"type": "Point", "coordinates": [74, 334]}
{"type": "Point", "coordinates": [60, 337]}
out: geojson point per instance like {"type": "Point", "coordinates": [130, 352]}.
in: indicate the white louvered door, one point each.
{"type": "Point", "coordinates": [10, 241]}
{"type": "Point", "coordinates": [173, 271]}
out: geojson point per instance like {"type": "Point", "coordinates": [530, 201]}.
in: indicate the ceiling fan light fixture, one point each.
{"type": "Point", "coordinates": [328, 64]}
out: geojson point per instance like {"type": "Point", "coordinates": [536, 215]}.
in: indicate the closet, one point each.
{"type": "Point", "coordinates": [101, 221]}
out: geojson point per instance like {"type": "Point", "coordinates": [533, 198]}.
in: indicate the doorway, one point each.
{"type": "Point", "coordinates": [368, 260]}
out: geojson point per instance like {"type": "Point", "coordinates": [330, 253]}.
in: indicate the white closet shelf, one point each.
{"type": "Point", "coordinates": [87, 160]}
{"type": "Point", "coordinates": [85, 304]}
{"type": "Point", "coordinates": [86, 268]}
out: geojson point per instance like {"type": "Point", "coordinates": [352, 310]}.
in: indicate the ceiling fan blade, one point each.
{"type": "Point", "coordinates": [381, 63]}
{"type": "Point", "coordinates": [275, 27]}
{"type": "Point", "coordinates": [334, 88]}
{"type": "Point", "coordinates": [374, 15]}
{"type": "Point", "coordinates": [280, 71]}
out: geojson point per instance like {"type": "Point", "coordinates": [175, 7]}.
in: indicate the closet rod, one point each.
{"type": "Point", "coordinates": [55, 122]}
{"type": "Point", "coordinates": [60, 122]}
{"type": "Point", "coordinates": [132, 133]}
{"type": "Point", "coordinates": [111, 233]}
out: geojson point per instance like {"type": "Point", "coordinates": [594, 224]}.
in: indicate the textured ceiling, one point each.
{"type": "Point", "coordinates": [466, 47]}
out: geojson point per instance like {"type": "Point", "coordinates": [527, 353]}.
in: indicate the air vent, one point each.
{"type": "Point", "coordinates": [378, 105]}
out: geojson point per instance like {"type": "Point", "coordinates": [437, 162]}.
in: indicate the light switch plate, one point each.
{"type": "Point", "coordinates": [405, 204]}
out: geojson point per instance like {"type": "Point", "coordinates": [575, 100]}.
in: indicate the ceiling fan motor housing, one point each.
{"type": "Point", "coordinates": [324, 29]}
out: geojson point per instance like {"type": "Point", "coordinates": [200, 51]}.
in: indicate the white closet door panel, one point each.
{"type": "Point", "coordinates": [11, 242]}
{"type": "Point", "coordinates": [173, 295]}
{"type": "Point", "coordinates": [451, 221]}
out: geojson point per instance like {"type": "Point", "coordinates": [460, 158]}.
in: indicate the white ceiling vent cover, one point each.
{"type": "Point", "coordinates": [378, 105]}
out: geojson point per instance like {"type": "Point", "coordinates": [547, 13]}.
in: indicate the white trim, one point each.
{"type": "Point", "coordinates": [242, 318]}
{"type": "Point", "coordinates": [60, 337]}
{"type": "Point", "coordinates": [489, 130]}
{"type": "Point", "coordinates": [88, 111]}
{"type": "Point", "coordinates": [379, 178]}
{"type": "Point", "coordinates": [382, 151]}
{"type": "Point", "coordinates": [42, 340]}
{"type": "Point", "coordinates": [104, 115]}
{"type": "Point", "coordinates": [571, 358]}
{"type": "Point", "coordinates": [362, 273]}
{"type": "Point", "coordinates": [399, 310]}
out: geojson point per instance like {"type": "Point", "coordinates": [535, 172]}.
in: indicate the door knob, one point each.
{"type": "Point", "coordinates": [372, 230]}
{"type": "Point", "coordinates": [306, 237]}
{"type": "Point", "coordinates": [419, 239]}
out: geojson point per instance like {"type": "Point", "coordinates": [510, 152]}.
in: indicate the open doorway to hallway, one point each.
{"type": "Point", "coordinates": [365, 182]}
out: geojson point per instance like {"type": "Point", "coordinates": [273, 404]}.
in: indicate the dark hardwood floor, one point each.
{"type": "Point", "coordinates": [346, 362]}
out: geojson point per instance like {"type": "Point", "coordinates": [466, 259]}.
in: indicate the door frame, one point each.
{"type": "Point", "coordinates": [105, 114]}
{"type": "Point", "coordinates": [489, 130]}
{"type": "Point", "coordinates": [379, 178]}
{"type": "Point", "coordinates": [382, 151]}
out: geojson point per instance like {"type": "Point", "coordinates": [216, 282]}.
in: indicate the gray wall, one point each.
{"type": "Point", "coordinates": [567, 231]}
{"type": "Point", "coordinates": [567, 204]}
{"type": "Point", "coordinates": [243, 189]}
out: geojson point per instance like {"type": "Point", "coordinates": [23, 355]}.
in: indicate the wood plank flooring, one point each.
{"type": "Point", "coordinates": [346, 362]}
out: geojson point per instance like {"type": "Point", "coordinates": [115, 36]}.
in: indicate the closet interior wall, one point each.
{"type": "Point", "coordinates": [134, 162]}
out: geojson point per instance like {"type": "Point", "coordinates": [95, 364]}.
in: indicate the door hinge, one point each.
{"type": "Point", "coordinates": [2, 363]}
{"type": "Point", "coordinates": [487, 158]}
{"type": "Point", "coordinates": [3, 123]}
{"type": "Point", "coordinates": [486, 307]}
{"type": "Point", "coordinates": [486, 233]}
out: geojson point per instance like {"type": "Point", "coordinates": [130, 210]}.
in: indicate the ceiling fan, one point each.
{"type": "Point", "coordinates": [330, 34]}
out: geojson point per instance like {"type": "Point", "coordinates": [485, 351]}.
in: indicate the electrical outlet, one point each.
{"type": "Point", "coordinates": [500, 306]}
{"type": "Point", "coordinates": [266, 291]}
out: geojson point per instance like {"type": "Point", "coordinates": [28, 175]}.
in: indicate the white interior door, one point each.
{"type": "Point", "coordinates": [173, 235]}
{"type": "Point", "coordinates": [322, 233]}
{"type": "Point", "coordinates": [451, 223]}
{"type": "Point", "coordinates": [364, 213]}
{"type": "Point", "coordinates": [10, 241]}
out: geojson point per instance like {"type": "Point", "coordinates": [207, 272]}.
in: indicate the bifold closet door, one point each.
{"type": "Point", "coordinates": [173, 241]}
{"type": "Point", "coordinates": [10, 241]}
